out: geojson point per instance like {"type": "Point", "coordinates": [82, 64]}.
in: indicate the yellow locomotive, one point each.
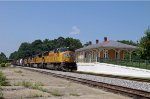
{"type": "Point", "coordinates": [58, 59]}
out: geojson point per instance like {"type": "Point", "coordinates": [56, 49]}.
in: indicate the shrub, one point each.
{"type": "Point", "coordinates": [2, 64]}
{"type": "Point", "coordinates": [26, 84]}
{"type": "Point", "coordinates": [7, 64]}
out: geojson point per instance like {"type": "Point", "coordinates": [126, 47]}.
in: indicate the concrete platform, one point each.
{"type": "Point", "coordinates": [104, 68]}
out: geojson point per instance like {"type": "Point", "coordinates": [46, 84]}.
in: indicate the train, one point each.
{"type": "Point", "coordinates": [62, 59]}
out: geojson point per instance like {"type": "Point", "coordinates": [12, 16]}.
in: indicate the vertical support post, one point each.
{"type": "Point", "coordinates": [130, 55]}
{"type": "Point", "coordinates": [83, 56]}
{"type": "Point", "coordinates": [99, 55]}
{"type": "Point", "coordinates": [76, 55]}
{"type": "Point", "coordinates": [118, 57]}
{"type": "Point", "coordinates": [96, 54]}
{"type": "Point", "coordinates": [90, 57]}
{"type": "Point", "coordinates": [123, 55]}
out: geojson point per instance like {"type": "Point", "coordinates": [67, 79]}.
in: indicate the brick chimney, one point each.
{"type": "Point", "coordinates": [105, 39]}
{"type": "Point", "coordinates": [97, 41]}
{"type": "Point", "coordinates": [90, 43]}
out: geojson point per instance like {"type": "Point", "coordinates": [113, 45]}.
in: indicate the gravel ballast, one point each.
{"type": "Point", "coordinates": [144, 86]}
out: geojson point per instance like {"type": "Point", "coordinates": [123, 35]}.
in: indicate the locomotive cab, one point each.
{"type": "Point", "coordinates": [67, 58]}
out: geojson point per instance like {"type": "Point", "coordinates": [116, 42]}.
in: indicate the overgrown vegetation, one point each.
{"type": "Point", "coordinates": [3, 80]}
{"type": "Point", "coordinates": [1, 94]}
{"type": "Point", "coordinates": [5, 64]}
{"type": "Point", "coordinates": [2, 64]}
{"type": "Point", "coordinates": [38, 86]}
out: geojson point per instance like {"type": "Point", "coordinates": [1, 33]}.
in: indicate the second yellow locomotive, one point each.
{"type": "Point", "coordinates": [58, 59]}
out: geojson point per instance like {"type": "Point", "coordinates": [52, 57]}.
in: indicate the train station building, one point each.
{"type": "Point", "coordinates": [108, 49]}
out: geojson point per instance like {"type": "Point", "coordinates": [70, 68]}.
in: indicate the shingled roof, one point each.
{"type": "Point", "coordinates": [108, 44]}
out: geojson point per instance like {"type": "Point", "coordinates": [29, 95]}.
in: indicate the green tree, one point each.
{"type": "Point", "coordinates": [3, 57]}
{"type": "Point", "coordinates": [129, 42]}
{"type": "Point", "coordinates": [145, 45]}
{"type": "Point", "coordinates": [14, 55]}
{"type": "Point", "coordinates": [36, 47]}
{"type": "Point", "coordinates": [73, 43]}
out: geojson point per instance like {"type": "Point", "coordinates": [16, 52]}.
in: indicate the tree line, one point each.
{"type": "Point", "coordinates": [29, 49]}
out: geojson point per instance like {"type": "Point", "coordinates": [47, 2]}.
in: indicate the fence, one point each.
{"type": "Point", "coordinates": [145, 64]}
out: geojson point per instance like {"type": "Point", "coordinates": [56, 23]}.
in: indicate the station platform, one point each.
{"type": "Point", "coordinates": [110, 69]}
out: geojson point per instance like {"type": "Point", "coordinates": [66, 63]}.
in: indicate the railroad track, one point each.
{"type": "Point", "coordinates": [116, 76]}
{"type": "Point", "coordinates": [136, 93]}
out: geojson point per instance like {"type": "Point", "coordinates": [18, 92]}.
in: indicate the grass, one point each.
{"type": "Point", "coordinates": [56, 93]}
{"type": "Point", "coordinates": [3, 80]}
{"type": "Point", "coordinates": [18, 71]}
{"type": "Point", "coordinates": [1, 94]}
{"type": "Point", "coordinates": [34, 95]}
{"type": "Point", "coordinates": [37, 95]}
{"type": "Point", "coordinates": [26, 84]}
{"type": "Point", "coordinates": [38, 86]}
{"type": "Point", "coordinates": [74, 94]}
{"type": "Point", "coordinates": [43, 89]}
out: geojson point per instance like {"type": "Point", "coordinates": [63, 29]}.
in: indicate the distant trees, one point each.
{"type": "Point", "coordinates": [3, 58]}
{"type": "Point", "coordinates": [38, 46]}
{"type": "Point", "coordinates": [129, 42]}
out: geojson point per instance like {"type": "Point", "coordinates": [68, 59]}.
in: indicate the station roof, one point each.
{"type": "Point", "coordinates": [108, 44]}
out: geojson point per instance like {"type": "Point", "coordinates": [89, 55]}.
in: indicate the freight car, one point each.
{"type": "Point", "coordinates": [59, 59]}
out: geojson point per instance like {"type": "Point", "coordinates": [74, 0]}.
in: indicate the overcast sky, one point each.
{"type": "Point", "coordinates": [87, 21]}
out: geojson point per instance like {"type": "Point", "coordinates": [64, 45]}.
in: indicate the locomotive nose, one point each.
{"type": "Point", "coordinates": [69, 57]}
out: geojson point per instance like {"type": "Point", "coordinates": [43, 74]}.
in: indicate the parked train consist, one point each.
{"type": "Point", "coordinates": [58, 59]}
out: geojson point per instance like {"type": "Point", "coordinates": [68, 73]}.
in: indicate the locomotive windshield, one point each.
{"type": "Point", "coordinates": [65, 49]}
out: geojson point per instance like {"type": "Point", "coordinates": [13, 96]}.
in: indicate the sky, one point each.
{"type": "Point", "coordinates": [26, 21]}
